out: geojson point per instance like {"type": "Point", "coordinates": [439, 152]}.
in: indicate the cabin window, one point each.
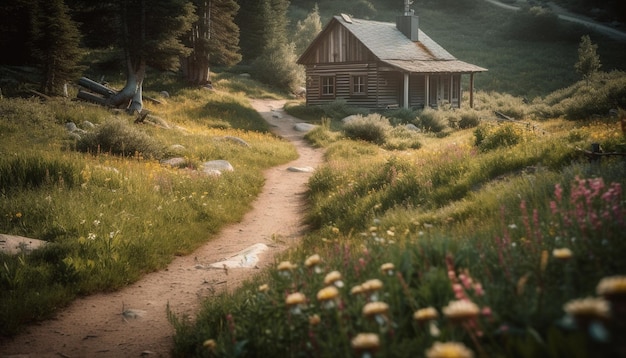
{"type": "Point", "coordinates": [328, 86]}
{"type": "Point", "coordinates": [358, 85]}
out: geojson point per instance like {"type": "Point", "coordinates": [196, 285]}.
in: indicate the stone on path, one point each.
{"type": "Point", "coordinates": [303, 127]}
{"type": "Point", "coordinates": [247, 258]}
{"type": "Point", "coordinates": [301, 169]}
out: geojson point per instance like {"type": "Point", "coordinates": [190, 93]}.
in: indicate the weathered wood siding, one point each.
{"type": "Point", "coordinates": [339, 45]}
{"type": "Point", "coordinates": [342, 72]}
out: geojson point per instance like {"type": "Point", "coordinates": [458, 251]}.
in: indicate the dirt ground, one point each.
{"type": "Point", "coordinates": [132, 322]}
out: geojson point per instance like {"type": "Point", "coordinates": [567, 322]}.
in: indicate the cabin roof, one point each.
{"type": "Point", "coordinates": [391, 46]}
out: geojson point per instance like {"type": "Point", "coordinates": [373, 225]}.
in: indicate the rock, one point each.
{"type": "Point", "coordinates": [177, 162]}
{"type": "Point", "coordinates": [216, 167]}
{"type": "Point", "coordinates": [13, 244]}
{"type": "Point", "coordinates": [303, 127]}
{"type": "Point", "coordinates": [237, 140]}
{"type": "Point", "coordinates": [301, 169]}
{"type": "Point", "coordinates": [165, 94]}
{"type": "Point", "coordinates": [349, 118]}
{"type": "Point", "coordinates": [87, 125]}
{"type": "Point", "coordinates": [412, 127]}
{"type": "Point", "coordinates": [247, 258]}
{"type": "Point", "coordinates": [70, 126]}
{"type": "Point", "coordinates": [177, 148]}
{"type": "Point", "coordinates": [300, 92]}
{"type": "Point", "coordinates": [247, 75]}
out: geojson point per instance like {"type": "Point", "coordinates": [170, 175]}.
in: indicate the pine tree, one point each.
{"type": "Point", "coordinates": [307, 30]}
{"type": "Point", "coordinates": [251, 29]}
{"type": "Point", "coordinates": [56, 45]}
{"type": "Point", "coordinates": [588, 60]}
{"type": "Point", "coordinates": [277, 65]}
{"type": "Point", "coordinates": [214, 38]}
{"type": "Point", "coordinates": [150, 35]}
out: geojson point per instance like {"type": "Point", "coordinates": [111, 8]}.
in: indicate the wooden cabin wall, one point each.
{"type": "Point", "coordinates": [342, 73]}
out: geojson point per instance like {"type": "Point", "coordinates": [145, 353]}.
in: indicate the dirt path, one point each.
{"type": "Point", "coordinates": [95, 326]}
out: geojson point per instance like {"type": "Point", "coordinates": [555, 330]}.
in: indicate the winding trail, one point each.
{"type": "Point", "coordinates": [132, 322]}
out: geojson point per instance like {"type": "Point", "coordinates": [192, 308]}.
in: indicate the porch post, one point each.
{"type": "Point", "coordinates": [427, 91]}
{"type": "Point", "coordinates": [406, 90]}
{"type": "Point", "coordinates": [471, 88]}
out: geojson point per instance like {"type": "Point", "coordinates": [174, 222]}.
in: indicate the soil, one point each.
{"type": "Point", "coordinates": [132, 322]}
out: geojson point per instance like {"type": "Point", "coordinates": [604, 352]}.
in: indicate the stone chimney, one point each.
{"type": "Point", "coordinates": [408, 23]}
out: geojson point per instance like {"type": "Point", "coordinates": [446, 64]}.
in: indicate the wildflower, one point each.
{"type": "Point", "coordinates": [295, 301]}
{"type": "Point", "coordinates": [18, 215]}
{"type": "Point", "coordinates": [586, 309]}
{"type": "Point", "coordinates": [375, 308]}
{"type": "Point", "coordinates": [333, 278]}
{"type": "Point", "coordinates": [562, 254]}
{"type": "Point", "coordinates": [264, 288]}
{"type": "Point", "coordinates": [210, 344]}
{"type": "Point", "coordinates": [613, 286]}
{"type": "Point", "coordinates": [387, 268]}
{"type": "Point", "coordinates": [461, 310]}
{"type": "Point", "coordinates": [449, 350]}
{"type": "Point", "coordinates": [285, 267]}
{"type": "Point", "coordinates": [328, 295]}
{"type": "Point", "coordinates": [314, 261]}
{"type": "Point", "coordinates": [335, 230]}
{"type": "Point", "coordinates": [91, 236]}
{"type": "Point", "coordinates": [356, 290]}
{"type": "Point", "coordinates": [314, 320]}
{"type": "Point", "coordinates": [366, 343]}
{"type": "Point", "coordinates": [371, 288]}
{"type": "Point", "coordinates": [425, 314]}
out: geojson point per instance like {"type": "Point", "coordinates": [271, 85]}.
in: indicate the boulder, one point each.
{"type": "Point", "coordinates": [303, 127]}
{"type": "Point", "coordinates": [70, 126]}
{"type": "Point", "coordinates": [216, 167]}
{"type": "Point", "coordinates": [13, 245]}
{"type": "Point", "coordinates": [237, 140]}
{"type": "Point", "coordinates": [177, 162]}
{"type": "Point", "coordinates": [349, 118]}
{"type": "Point", "coordinates": [301, 169]}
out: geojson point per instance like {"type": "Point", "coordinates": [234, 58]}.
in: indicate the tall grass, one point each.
{"type": "Point", "coordinates": [115, 213]}
{"type": "Point", "coordinates": [500, 243]}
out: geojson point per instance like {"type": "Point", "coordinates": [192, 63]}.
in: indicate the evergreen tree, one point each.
{"type": "Point", "coordinates": [150, 35]}
{"type": "Point", "coordinates": [277, 65]}
{"type": "Point", "coordinates": [214, 38]}
{"type": "Point", "coordinates": [307, 30]}
{"type": "Point", "coordinates": [588, 60]}
{"type": "Point", "coordinates": [56, 45]}
{"type": "Point", "coordinates": [16, 32]}
{"type": "Point", "coordinates": [251, 29]}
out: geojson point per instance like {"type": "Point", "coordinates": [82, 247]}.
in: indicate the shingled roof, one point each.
{"type": "Point", "coordinates": [392, 47]}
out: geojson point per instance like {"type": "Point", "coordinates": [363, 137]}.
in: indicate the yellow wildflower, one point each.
{"type": "Point", "coordinates": [612, 286]}
{"type": "Point", "coordinates": [425, 314]}
{"type": "Point", "coordinates": [449, 350]}
{"type": "Point", "coordinates": [333, 278]}
{"type": "Point", "coordinates": [461, 310]}
{"type": "Point", "coordinates": [327, 293]}
{"type": "Point", "coordinates": [296, 298]}
{"type": "Point", "coordinates": [375, 308]}
{"type": "Point", "coordinates": [562, 254]}
{"type": "Point", "coordinates": [387, 268]}
{"type": "Point", "coordinates": [312, 260]}
{"type": "Point", "coordinates": [587, 308]}
{"type": "Point", "coordinates": [366, 342]}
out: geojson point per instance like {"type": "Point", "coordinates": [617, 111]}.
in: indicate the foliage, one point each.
{"type": "Point", "coordinates": [109, 219]}
{"type": "Point", "coordinates": [535, 23]}
{"type": "Point", "coordinates": [431, 120]}
{"type": "Point", "coordinates": [588, 60]}
{"type": "Point", "coordinates": [372, 128]}
{"type": "Point", "coordinates": [118, 137]}
{"type": "Point", "coordinates": [469, 119]}
{"type": "Point", "coordinates": [307, 30]}
{"type": "Point", "coordinates": [585, 99]}
{"type": "Point", "coordinates": [516, 233]}
{"type": "Point", "coordinates": [489, 137]}
{"type": "Point", "coordinates": [56, 46]}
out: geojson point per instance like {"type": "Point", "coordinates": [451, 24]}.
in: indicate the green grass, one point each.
{"type": "Point", "coordinates": [472, 214]}
{"type": "Point", "coordinates": [114, 213]}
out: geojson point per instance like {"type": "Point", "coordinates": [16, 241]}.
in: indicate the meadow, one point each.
{"type": "Point", "coordinates": [471, 236]}
{"type": "Point", "coordinates": [476, 236]}
{"type": "Point", "coordinates": [108, 208]}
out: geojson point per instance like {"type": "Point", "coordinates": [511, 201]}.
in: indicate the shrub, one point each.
{"type": "Point", "coordinates": [431, 120]}
{"type": "Point", "coordinates": [373, 128]}
{"type": "Point", "coordinates": [469, 120]}
{"type": "Point", "coordinates": [339, 109]}
{"type": "Point", "coordinates": [492, 137]}
{"type": "Point", "coordinates": [535, 24]}
{"type": "Point", "coordinates": [120, 138]}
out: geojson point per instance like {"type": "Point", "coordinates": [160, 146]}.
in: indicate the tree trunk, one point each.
{"type": "Point", "coordinates": [130, 97]}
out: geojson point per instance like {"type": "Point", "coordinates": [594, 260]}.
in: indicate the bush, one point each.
{"type": "Point", "coordinates": [431, 120]}
{"type": "Point", "coordinates": [120, 138]}
{"type": "Point", "coordinates": [469, 120]}
{"type": "Point", "coordinates": [372, 128]}
{"type": "Point", "coordinates": [277, 67]}
{"type": "Point", "coordinates": [339, 109]}
{"type": "Point", "coordinates": [492, 137]}
{"type": "Point", "coordinates": [535, 24]}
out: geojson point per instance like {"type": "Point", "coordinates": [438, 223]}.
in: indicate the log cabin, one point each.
{"type": "Point", "coordinates": [380, 65]}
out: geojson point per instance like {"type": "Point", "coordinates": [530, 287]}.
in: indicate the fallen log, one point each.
{"type": "Point", "coordinates": [90, 97]}
{"type": "Point", "coordinates": [96, 87]}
